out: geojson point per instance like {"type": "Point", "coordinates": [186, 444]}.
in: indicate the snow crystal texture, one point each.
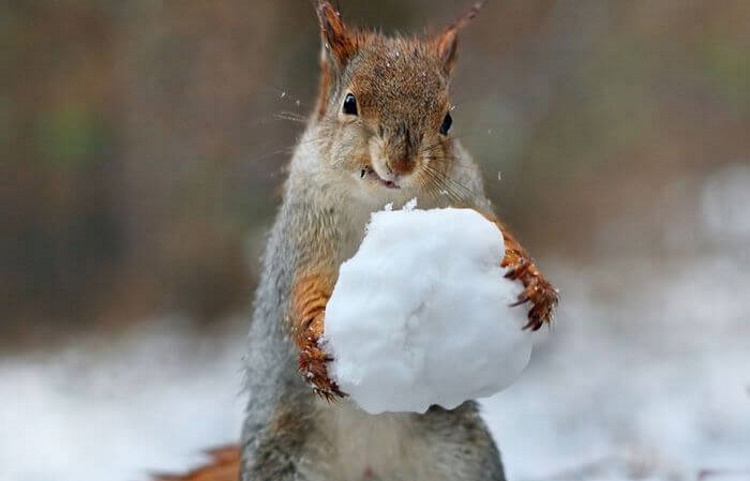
{"type": "Point", "coordinates": [421, 314]}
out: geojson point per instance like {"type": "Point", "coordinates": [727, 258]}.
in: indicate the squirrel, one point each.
{"type": "Point", "coordinates": [380, 133]}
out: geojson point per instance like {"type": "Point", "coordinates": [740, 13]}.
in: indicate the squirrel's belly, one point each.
{"type": "Point", "coordinates": [364, 447]}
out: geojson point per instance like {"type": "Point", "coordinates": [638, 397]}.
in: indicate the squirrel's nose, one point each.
{"type": "Point", "coordinates": [401, 165]}
{"type": "Point", "coordinates": [401, 146]}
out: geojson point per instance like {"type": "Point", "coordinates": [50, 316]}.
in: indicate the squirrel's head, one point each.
{"type": "Point", "coordinates": [384, 103]}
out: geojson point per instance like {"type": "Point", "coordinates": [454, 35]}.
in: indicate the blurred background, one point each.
{"type": "Point", "coordinates": [143, 144]}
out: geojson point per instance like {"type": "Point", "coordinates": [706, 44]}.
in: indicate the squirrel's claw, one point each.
{"type": "Point", "coordinates": [543, 298]}
{"type": "Point", "coordinates": [308, 313]}
{"type": "Point", "coordinates": [522, 299]}
{"type": "Point", "coordinates": [313, 366]}
{"type": "Point", "coordinates": [520, 268]}
{"type": "Point", "coordinates": [537, 291]}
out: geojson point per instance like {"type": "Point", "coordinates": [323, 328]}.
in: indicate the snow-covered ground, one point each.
{"type": "Point", "coordinates": [113, 410]}
{"type": "Point", "coordinates": [647, 375]}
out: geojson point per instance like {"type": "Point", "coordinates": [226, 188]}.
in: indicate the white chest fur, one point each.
{"type": "Point", "coordinates": [361, 447]}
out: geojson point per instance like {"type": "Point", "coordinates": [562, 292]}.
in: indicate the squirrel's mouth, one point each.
{"type": "Point", "coordinates": [370, 174]}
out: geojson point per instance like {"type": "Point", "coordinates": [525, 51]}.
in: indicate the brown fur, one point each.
{"type": "Point", "coordinates": [337, 41]}
{"type": "Point", "coordinates": [338, 46]}
{"type": "Point", "coordinates": [224, 466]}
{"type": "Point", "coordinates": [538, 292]}
{"type": "Point", "coordinates": [447, 42]}
{"type": "Point", "coordinates": [382, 72]}
{"type": "Point", "coordinates": [310, 295]}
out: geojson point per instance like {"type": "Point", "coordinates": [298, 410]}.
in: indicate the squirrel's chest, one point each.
{"type": "Point", "coordinates": [362, 447]}
{"type": "Point", "coordinates": [352, 217]}
{"type": "Point", "coordinates": [351, 226]}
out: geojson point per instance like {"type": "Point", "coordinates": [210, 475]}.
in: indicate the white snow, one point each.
{"type": "Point", "coordinates": [646, 376]}
{"type": "Point", "coordinates": [117, 410]}
{"type": "Point", "coordinates": [421, 314]}
{"type": "Point", "coordinates": [725, 200]}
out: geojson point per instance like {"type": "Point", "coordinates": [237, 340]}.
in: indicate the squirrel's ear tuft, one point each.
{"type": "Point", "coordinates": [447, 45]}
{"type": "Point", "coordinates": [338, 43]}
{"type": "Point", "coordinates": [447, 42]}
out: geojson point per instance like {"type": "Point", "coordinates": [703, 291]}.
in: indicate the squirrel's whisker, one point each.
{"type": "Point", "coordinates": [291, 116]}
{"type": "Point", "coordinates": [449, 187]}
{"type": "Point", "coordinates": [283, 150]}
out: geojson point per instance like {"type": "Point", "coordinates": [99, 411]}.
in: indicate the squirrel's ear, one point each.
{"type": "Point", "coordinates": [447, 42]}
{"type": "Point", "coordinates": [338, 44]}
{"type": "Point", "coordinates": [447, 45]}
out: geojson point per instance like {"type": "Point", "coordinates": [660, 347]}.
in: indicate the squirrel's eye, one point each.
{"type": "Point", "coordinates": [446, 125]}
{"type": "Point", "coordinates": [350, 105]}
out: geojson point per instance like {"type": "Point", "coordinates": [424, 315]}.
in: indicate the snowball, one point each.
{"type": "Point", "coordinates": [421, 314]}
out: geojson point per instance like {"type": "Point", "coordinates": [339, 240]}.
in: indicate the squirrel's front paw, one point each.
{"type": "Point", "coordinates": [313, 365]}
{"type": "Point", "coordinates": [537, 290]}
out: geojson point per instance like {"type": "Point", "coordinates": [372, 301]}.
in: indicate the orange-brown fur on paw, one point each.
{"type": "Point", "coordinates": [537, 291]}
{"type": "Point", "coordinates": [309, 298]}
{"type": "Point", "coordinates": [224, 466]}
